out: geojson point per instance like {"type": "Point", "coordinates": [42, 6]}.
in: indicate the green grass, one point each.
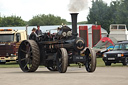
{"type": "Point", "coordinates": [100, 63]}
{"type": "Point", "coordinates": [11, 64]}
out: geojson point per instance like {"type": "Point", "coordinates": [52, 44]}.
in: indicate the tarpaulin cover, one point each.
{"type": "Point", "coordinates": [105, 42]}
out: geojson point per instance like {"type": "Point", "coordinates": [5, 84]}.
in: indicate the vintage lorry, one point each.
{"type": "Point", "coordinates": [9, 43]}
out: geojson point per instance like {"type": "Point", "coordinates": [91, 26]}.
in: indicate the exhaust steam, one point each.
{"type": "Point", "coordinates": [77, 5]}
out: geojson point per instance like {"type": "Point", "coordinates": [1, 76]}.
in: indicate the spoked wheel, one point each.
{"type": "Point", "coordinates": [90, 60]}
{"type": "Point", "coordinates": [62, 60]}
{"type": "Point", "coordinates": [51, 66]}
{"type": "Point", "coordinates": [28, 56]}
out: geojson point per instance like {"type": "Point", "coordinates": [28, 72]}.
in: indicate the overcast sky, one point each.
{"type": "Point", "coordinates": [29, 8]}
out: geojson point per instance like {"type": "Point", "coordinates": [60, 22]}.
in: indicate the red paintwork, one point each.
{"type": "Point", "coordinates": [84, 28]}
{"type": "Point", "coordinates": [96, 27]}
{"type": "Point", "coordinates": [7, 48]}
{"type": "Point", "coordinates": [106, 39]}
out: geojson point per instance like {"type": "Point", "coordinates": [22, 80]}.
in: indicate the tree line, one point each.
{"type": "Point", "coordinates": [49, 19]}
{"type": "Point", "coordinates": [104, 14]}
{"type": "Point", "coordinates": [11, 21]}
{"type": "Point", "coordinates": [41, 19]}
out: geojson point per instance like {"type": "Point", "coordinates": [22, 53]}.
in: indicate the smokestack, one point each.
{"type": "Point", "coordinates": [74, 23]}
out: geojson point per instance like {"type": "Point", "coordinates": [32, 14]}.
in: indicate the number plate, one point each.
{"type": "Point", "coordinates": [2, 60]}
{"type": "Point", "coordinates": [78, 58]}
{"type": "Point", "coordinates": [111, 58]}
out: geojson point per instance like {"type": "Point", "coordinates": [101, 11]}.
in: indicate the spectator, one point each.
{"type": "Point", "coordinates": [38, 31]}
{"type": "Point", "coordinates": [33, 35]}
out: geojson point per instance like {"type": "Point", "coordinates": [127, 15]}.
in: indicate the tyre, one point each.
{"type": "Point", "coordinates": [90, 63]}
{"type": "Point", "coordinates": [62, 60]}
{"type": "Point", "coordinates": [28, 56]}
{"type": "Point", "coordinates": [125, 61]}
{"type": "Point", "coordinates": [107, 64]}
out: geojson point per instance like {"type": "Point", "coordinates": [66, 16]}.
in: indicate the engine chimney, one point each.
{"type": "Point", "coordinates": [74, 23]}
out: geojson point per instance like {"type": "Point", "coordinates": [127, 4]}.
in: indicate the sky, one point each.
{"type": "Point", "coordinates": [29, 8]}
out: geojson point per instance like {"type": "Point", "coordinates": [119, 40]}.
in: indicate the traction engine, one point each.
{"type": "Point", "coordinates": [56, 51]}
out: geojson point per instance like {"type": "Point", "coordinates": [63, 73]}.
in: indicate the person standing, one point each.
{"type": "Point", "coordinates": [33, 35]}
{"type": "Point", "coordinates": [38, 31]}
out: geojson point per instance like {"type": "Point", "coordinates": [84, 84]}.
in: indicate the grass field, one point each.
{"type": "Point", "coordinates": [100, 63]}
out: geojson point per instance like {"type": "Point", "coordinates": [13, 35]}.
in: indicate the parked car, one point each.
{"type": "Point", "coordinates": [119, 54]}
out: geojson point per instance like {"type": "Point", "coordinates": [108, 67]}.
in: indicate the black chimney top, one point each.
{"type": "Point", "coordinates": [74, 23]}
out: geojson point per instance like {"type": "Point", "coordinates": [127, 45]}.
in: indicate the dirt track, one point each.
{"type": "Point", "coordinates": [73, 76]}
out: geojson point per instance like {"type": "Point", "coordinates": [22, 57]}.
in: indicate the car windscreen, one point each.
{"type": "Point", "coordinates": [123, 46]}
{"type": "Point", "coordinates": [6, 37]}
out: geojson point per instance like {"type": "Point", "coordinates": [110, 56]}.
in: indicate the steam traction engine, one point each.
{"type": "Point", "coordinates": [56, 52]}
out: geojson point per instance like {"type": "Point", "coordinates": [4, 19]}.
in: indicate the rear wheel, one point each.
{"type": "Point", "coordinates": [62, 60]}
{"type": "Point", "coordinates": [90, 60]}
{"type": "Point", "coordinates": [28, 56]}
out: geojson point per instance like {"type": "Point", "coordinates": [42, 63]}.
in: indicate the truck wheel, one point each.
{"type": "Point", "coordinates": [107, 64]}
{"type": "Point", "coordinates": [28, 56]}
{"type": "Point", "coordinates": [90, 60]}
{"type": "Point", "coordinates": [62, 60]}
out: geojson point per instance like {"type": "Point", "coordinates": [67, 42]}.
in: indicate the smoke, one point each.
{"type": "Point", "coordinates": [77, 5]}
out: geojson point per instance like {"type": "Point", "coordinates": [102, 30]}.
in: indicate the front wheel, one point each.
{"type": "Point", "coordinates": [90, 60]}
{"type": "Point", "coordinates": [62, 60]}
{"type": "Point", "coordinates": [125, 61]}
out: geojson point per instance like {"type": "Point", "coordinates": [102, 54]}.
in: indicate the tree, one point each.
{"type": "Point", "coordinates": [116, 13]}
{"type": "Point", "coordinates": [46, 20]}
{"type": "Point", "coordinates": [99, 13]}
{"type": "Point", "coordinates": [12, 21]}
{"type": "Point", "coordinates": [123, 12]}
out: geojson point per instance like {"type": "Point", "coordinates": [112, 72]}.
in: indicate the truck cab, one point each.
{"type": "Point", "coordinates": [9, 44]}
